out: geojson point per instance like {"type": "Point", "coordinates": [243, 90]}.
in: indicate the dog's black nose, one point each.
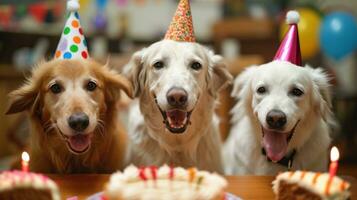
{"type": "Point", "coordinates": [78, 121]}
{"type": "Point", "coordinates": [276, 119]}
{"type": "Point", "coordinates": [176, 96]}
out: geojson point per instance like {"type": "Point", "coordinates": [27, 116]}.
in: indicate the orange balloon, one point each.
{"type": "Point", "coordinates": [309, 27]}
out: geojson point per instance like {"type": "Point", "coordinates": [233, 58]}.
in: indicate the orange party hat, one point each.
{"type": "Point", "coordinates": [181, 27]}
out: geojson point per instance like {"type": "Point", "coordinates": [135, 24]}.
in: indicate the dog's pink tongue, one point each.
{"type": "Point", "coordinates": [275, 145]}
{"type": "Point", "coordinates": [79, 142]}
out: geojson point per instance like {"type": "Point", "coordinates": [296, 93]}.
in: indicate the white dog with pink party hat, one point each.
{"type": "Point", "coordinates": [282, 118]}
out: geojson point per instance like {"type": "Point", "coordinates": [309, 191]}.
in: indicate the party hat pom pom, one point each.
{"type": "Point", "coordinates": [72, 5]}
{"type": "Point", "coordinates": [292, 17]}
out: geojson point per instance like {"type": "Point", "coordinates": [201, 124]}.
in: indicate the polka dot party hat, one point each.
{"type": "Point", "coordinates": [181, 27]}
{"type": "Point", "coordinates": [72, 44]}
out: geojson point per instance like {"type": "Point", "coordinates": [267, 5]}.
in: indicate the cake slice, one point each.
{"type": "Point", "coordinates": [18, 185]}
{"type": "Point", "coordinates": [165, 183]}
{"type": "Point", "coordinates": [310, 186]}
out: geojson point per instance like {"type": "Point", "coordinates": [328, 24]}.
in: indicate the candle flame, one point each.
{"type": "Point", "coordinates": [25, 156]}
{"type": "Point", "coordinates": [334, 155]}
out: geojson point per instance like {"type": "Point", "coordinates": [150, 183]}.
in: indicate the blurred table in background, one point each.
{"type": "Point", "coordinates": [255, 36]}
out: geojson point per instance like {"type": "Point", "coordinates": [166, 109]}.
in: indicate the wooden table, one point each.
{"type": "Point", "coordinates": [246, 187]}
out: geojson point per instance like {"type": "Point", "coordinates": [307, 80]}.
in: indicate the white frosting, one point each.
{"type": "Point", "coordinates": [292, 17]}
{"type": "Point", "coordinates": [17, 179]}
{"type": "Point", "coordinates": [129, 185]}
{"type": "Point", "coordinates": [338, 188]}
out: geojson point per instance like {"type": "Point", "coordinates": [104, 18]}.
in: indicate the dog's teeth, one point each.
{"type": "Point", "coordinates": [185, 120]}
{"type": "Point", "coordinates": [170, 121]}
{"type": "Point", "coordinates": [172, 124]}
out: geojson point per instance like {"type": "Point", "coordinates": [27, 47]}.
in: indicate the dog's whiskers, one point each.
{"type": "Point", "coordinates": [48, 126]}
{"type": "Point", "coordinates": [100, 127]}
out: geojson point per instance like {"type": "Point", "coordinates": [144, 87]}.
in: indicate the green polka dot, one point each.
{"type": "Point", "coordinates": [74, 48]}
{"type": "Point", "coordinates": [66, 30]}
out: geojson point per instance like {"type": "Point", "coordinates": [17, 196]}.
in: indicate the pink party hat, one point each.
{"type": "Point", "coordinates": [289, 49]}
{"type": "Point", "coordinates": [181, 27]}
{"type": "Point", "coordinates": [72, 44]}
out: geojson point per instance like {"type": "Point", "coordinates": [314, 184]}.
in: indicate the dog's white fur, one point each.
{"type": "Point", "coordinates": [242, 150]}
{"type": "Point", "coordinates": [151, 143]}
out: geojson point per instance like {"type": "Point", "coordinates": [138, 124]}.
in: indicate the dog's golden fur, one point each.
{"type": "Point", "coordinates": [48, 149]}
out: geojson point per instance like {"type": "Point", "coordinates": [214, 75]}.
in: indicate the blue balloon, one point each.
{"type": "Point", "coordinates": [338, 34]}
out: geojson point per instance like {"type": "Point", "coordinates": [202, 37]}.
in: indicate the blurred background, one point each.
{"type": "Point", "coordinates": [245, 32]}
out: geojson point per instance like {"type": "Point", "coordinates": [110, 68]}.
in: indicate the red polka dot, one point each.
{"type": "Point", "coordinates": [84, 54]}
{"type": "Point", "coordinates": [80, 31]}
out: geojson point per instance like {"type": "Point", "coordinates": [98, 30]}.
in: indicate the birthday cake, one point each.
{"type": "Point", "coordinates": [310, 185]}
{"type": "Point", "coordinates": [18, 185]}
{"type": "Point", "coordinates": [165, 183]}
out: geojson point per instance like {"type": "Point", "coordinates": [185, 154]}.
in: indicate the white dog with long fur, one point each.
{"type": "Point", "coordinates": [173, 121]}
{"type": "Point", "coordinates": [281, 120]}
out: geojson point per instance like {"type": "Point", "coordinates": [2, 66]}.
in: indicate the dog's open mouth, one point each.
{"type": "Point", "coordinates": [79, 143]}
{"type": "Point", "coordinates": [176, 120]}
{"type": "Point", "coordinates": [276, 143]}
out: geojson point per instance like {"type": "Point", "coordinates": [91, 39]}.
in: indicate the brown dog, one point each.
{"type": "Point", "coordinates": [74, 117]}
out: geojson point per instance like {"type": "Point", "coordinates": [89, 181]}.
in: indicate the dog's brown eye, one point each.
{"type": "Point", "coordinates": [56, 88]}
{"type": "Point", "coordinates": [261, 90]}
{"type": "Point", "coordinates": [91, 86]}
{"type": "Point", "coordinates": [159, 65]}
{"type": "Point", "coordinates": [296, 92]}
{"type": "Point", "coordinates": [196, 65]}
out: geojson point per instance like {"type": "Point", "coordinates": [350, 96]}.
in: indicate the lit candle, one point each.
{"type": "Point", "coordinates": [25, 161]}
{"type": "Point", "coordinates": [334, 156]}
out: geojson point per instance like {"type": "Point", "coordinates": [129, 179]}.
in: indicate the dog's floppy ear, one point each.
{"type": "Point", "coordinates": [242, 93]}
{"type": "Point", "coordinates": [24, 98]}
{"type": "Point", "coordinates": [220, 76]}
{"type": "Point", "coordinates": [321, 92]}
{"type": "Point", "coordinates": [134, 71]}
{"type": "Point", "coordinates": [242, 82]}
